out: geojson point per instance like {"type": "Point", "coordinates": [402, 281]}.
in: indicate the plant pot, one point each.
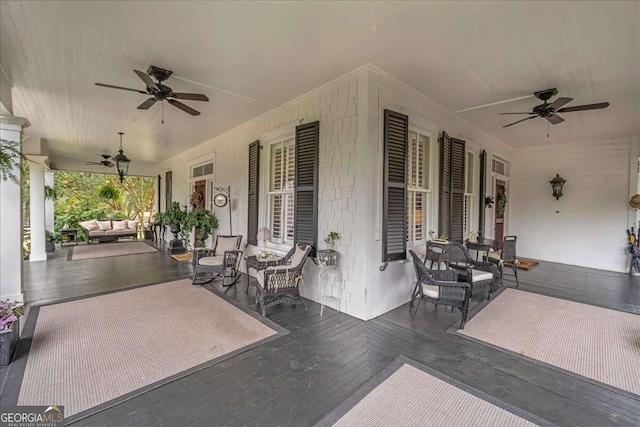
{"type": "Point", "coordinates": [327, 257]}
{"type": "Point", "coordinates": [51, 246]}
{"type": "Point", "coordinates": [148, 234]}
{"type": "Point", "coordinates": [176, 246]}
{"type": "Point", "coordinates": [175, 229]}
{"type": "Point", "coordinates": [8, 341]}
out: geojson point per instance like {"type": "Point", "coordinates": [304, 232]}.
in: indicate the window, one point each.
{"type": "Point", "coordinates": [469, 195]}
{"type": "Point", "coordinates": [202, 170]}
{"type": "Point", "coordinates": [418, 187]}
{"type": "Point", "coordinates": [281, 190]}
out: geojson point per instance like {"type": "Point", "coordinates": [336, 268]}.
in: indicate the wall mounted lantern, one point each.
{"type": "Point", "coordinates": [556, 184]}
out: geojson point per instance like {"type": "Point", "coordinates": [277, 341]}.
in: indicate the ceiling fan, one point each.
{"type": "Point", "coordinates": [160, 92]}
{"type": "Point", "coordinates": [105, 162]}
{"type": "Point", "coordinates": [549, 111]}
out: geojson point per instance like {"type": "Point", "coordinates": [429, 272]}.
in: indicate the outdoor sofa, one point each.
{"type": "Point", "coordinates": [110, 230]}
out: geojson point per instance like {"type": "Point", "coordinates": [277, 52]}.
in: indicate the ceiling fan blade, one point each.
{"type": "Point", "coordinates": [121, 88]}
{"type": "Point", "coordinates": [554, 119]}
{"type": "Point", "coordinates": [559, 103]}
{"type": "Point", "coordinates": [584, 107]}
{"type": "Point", "coordinates": [520, 121]}
{"type": "Point", "coordinates": [183, 107]}
{"type": "Point", "coordinates": [191, 96]}
{"type": "Point", "coordinates": [93, 163]}
{"type": "Point", "coordinates": [147, 80]}
{"type": "Point", "coordinates": [147, 104]}
{"type": "Point", "coordinates": [504, 114]}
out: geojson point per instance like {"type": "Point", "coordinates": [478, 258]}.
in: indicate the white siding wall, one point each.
{"type": "Point", "coordinates": [587, 225]}
{"type": "Point", "coordinates": [335, 106]}
{"type": "Point", "coordinates": [390, 288]}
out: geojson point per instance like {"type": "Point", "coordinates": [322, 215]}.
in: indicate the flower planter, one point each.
{"type": "Point", "coordinates": [8, 341]}
{"type": "Point", "coordinates": [51, 246]}
{"type": "Point", "coordinates": [327, 257]}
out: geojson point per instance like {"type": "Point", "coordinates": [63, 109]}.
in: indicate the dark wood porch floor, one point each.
{"type": "Point", "coordinates": [298, 378]}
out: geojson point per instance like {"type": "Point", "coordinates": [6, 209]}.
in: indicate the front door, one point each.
{"type": "Point", "coordinates": [500, 208]}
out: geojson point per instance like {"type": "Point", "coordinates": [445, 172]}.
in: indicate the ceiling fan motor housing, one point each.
{"type": "Point", "coordinates": [545, 95]}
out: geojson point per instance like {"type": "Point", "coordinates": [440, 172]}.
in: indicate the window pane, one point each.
{"type": "Point", "coordinates": [423, 162]}
{"type": "Point", "coordinates": [290, 162]}
{"type": "Point", "coordinates": [468, 200]}
{"type": "Point", "coordinates": [276, 167]}
{"type": "Point", "coordinates": [419, 217]}
{"type": "Point", "coordinates": [410, 216]}
{"type": "Point", "coordinates": [411, 161]}
{"type": "Point", "coordinates": [276, 218]}
{"type": "Point", "coordinates": [289, 217]}
{"type": "Point", "coordinates": [207, 169]}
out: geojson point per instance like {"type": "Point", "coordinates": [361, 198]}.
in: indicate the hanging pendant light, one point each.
{"type": "Point", "coordinates": [122, 161]}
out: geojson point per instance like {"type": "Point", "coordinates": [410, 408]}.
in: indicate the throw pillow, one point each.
{"type": "Point", "coordinates": [120, 225]}
{"type": "Point", "coordinates": [133, 224]}
{"type": "Point", "coordinates": [90, 225]}
{"type": "Point", "coordinates": [104, 225]}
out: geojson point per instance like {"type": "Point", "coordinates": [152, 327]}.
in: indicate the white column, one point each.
{"type": "Point", "coordinates": [48, 203]}
{"type": "Point", "coordinates": [37, 222]}
{"type": "Point", "coordinates": [11, 223]}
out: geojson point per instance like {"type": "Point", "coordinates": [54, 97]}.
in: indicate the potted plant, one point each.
{"type": "Point", "coordinates": [51, 241]}
{"type": "Point", "coordinates": [174, 217]}
{"type": "Point", "coordinates": [329, 256]}
{"type": "Point", "coordinates": [203, 221]}
{"type": "Point", "coordinates": [10, 313]}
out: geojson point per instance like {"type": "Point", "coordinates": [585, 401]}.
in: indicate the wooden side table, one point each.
{"type": "Point", "coordinates": [69, 236]}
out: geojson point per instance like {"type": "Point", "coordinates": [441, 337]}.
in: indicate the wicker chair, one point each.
{"type": "Point", "coordinates": [440, 287]}
{"type": "Point", "coordinates": [507, 254]}
{"type": "Point", "coordinates": [221, 261]}
{"type": "Point", "coordinates": [435, 253]}
{"type": "Point", "coordinates": [281, 283]}
{"type": "Point", "coordinates": [479, 274]}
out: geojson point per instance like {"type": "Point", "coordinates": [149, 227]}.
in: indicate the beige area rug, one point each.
{"type": "Point", "coordinates": [594, 342]}
{"type": "Point", "coordinates": [90, 351]}
{"type": "Point", "coordinates": [183, 257]}
{"type": "Point", "coordinates": [407, 393]}
{"type": "Point", "coordinates": [104, 250]}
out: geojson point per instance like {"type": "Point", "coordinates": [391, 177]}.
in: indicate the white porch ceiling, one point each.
{"type": "Point", "coordinates": [459, 55]}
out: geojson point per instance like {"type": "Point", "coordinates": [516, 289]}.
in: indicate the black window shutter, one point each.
{"type": "Point", "coordinates": [254, 183]}
{"type": "Point", "coordinates": [445, 185]}
{"type": "Point", "coordinates": [483, 192]}
{"type": "Point", "coordinates": [394, 220]}
{"type": "Point", "coordinates": [456, 220]}
{"type": "Point", "coordinates": [305, 226]}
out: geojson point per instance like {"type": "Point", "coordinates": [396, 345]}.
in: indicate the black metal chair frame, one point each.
{"type": "Point", "coordinates": [508, 254]}
{"type": "Point", "coordinates": [228, 269]}
{"type": "Point", "coordinates": [457, 257]}
{"type": "Point", "coordinates": [282, 284]}
{"type": "Point", "coordinates": [451, 292]}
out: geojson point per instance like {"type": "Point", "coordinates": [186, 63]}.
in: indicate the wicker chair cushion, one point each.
{"type": "Point", "coordinates": [211, 260]}
{"type": "Point", "coordinates": [479, 275]}
{"type": "Point", "coordinates": [91, 225]}
{"type": "Point", "coordinates": [298, 256]}
{"type": "Point", "coordinates": [226, 244]}
{"type": "Point", "coordinates": [431, 291]}
{"type": "Point", "coordinates": [120, 225]}
{"type": "Point", "coordinates": [96, 233]}
{"type": "Point", "coordinates": [260, 275]}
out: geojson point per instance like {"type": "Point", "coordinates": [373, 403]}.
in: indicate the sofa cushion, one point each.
{"type": "Point", "coordinates": [90, 225]}
{"type": "Point", "coordinates": [133, 224]}
{"type": "Point", "coordinates": [128, 232]}
{"type": "Point", "coordinates": [96, 233]}
{"type": "Point", "coordinates": [119, 225]}
{"type": "Point", "coordinates": [113, 232]}
{"type": "Point", "coordinates": [104, 225]}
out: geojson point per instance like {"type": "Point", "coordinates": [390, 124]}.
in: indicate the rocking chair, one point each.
{"type": "Point", "coordinates": [221, 261]}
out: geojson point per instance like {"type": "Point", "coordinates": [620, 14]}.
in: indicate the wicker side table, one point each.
{"type": "Point", "coordinates": [331, 285]}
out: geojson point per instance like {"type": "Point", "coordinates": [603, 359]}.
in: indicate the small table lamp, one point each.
{"type": "Point", "coordinates": [263, 235]}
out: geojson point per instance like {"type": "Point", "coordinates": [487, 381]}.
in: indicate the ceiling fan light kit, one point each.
{"type": "Point", "coordinates": [549, 111]}
{"type": "Point", "coordinates": [161, 92]}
